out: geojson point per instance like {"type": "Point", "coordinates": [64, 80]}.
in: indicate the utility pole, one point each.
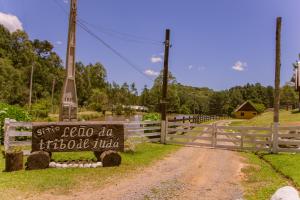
{"type": "Point", "coordinates": [30, 87]}
{"type": "Point", "coordinates": [277, 86]}
{"type": "Point", "coordinates": [69, 105]}
{"type": "Point", "coordinates": [163, 102]}
{"type": "Point", "coordinates": [165, 77]}
{"type": "Point", "coordinates": [277, 71]}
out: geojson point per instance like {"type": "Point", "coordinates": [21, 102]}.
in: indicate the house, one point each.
{"type": "Point", "coordinates": [246, 111]}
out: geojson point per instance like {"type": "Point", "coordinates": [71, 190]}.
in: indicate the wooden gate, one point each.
{"type": "Point", "coordinates": [225, 137]}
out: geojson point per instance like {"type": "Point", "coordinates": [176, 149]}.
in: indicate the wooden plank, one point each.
{"type": "Point", "coordinates": [21, 124]}
{"type": "Point", "coordinates": [190, 137]}
{"type": "Point", "coordinates": [142, 123]}
{"type": "Point", "coordinates": [257, 148]}
{"type": "Point", "coordinates": [144, 135]}
{"type": "Point", "coordinates": [289, 135]}
{"type": "Point", "coordinates": [290, 142]}
{"type": "Point", "coordinates": [257, 142]}
{"type": "Point", "coordinates": [189, 124]}
{"type": "Point", "coordinates": [244, 128]}
{"type": "Point", "coordinates": [291, 128]}
{"type": "Point", "coordinates": [289, 150]}
{"type": "Point", "coordinates": [227, 140]}
{"type": "Point", "coordinates": [189, 143]}
{"type": "Point", "coordinates": [144, 129]}
{"type": "Point", "coordinates": [20, 143]}
{"type": "Point", "coordinates": [19, 133]}
{"type": "Point", "coordinates": [227, 146]}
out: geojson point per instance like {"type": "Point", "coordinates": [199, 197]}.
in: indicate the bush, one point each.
{"type": "Point", "coordinates": [151, 117]}
{"type": "Point", "coordinates": [12, 112]}
{"type": "Point", "coordinates": [259, 107]}
{"type": "Point", "coordinates": [41, 108]}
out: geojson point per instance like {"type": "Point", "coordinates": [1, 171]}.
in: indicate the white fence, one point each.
{"type": "Point", "coordinates": [137, 132]}
{"type": "Point", "coordinates": [274, 138]}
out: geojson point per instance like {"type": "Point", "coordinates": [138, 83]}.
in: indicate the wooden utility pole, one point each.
{"type": "Point", "coordinates": [68, 106]}
{"type": "Point", "coordinates": [277, 71]}
{"type": "Point", "coordinates": [30, 87]}
{"type": "Point", "coordinates": [165, 77]}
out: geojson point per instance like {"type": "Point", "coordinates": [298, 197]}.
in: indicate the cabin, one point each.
{"type": "Point", "coordinates": [246, 111]}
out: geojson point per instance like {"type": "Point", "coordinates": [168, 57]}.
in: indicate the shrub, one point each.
{"type": "Point", "coordinates": [12, 112]}
{"type": "Point", "coordinates": [151, 117]}
{"type": "Point", "coordinates": [41, 108]}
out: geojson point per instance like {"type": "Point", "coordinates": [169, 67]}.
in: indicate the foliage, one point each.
{"type": "Point", "coordinates": [23, 182]}
{"type": "Point", "coordinates": [12, 112]}
{"type": "Point", "coordinates": [41, 108]}
{"type": "Point", "coordinates": [259, 107]}
{"type": "Point", "coordinates": [151, 117]}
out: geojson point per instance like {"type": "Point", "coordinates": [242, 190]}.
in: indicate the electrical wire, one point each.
{"type": "Point", "coordinates": [86, 29]}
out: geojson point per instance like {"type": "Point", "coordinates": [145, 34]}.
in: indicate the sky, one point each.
{"type": "Point", "coordinates": [215, 43]}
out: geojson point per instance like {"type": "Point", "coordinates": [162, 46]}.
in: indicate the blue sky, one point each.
{"type": "Point", "coordinates": [215, 43]}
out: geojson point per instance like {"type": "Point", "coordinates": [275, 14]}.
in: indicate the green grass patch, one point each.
{"type": "Point", "coordinates": [63, 180]}
{"type": "Point", "coordinates": [287, 164]}
{"type": "Point", "coordinates": [265, 119]}
{"type": "Point", "coordinates": [260, 181]}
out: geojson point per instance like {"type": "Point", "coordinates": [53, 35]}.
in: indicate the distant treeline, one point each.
{"type": "Point", "coordinates": [18, 54]}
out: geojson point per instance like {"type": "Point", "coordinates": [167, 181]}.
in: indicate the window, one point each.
{"type": "Point", "coordinates": [254, 113]}
{"type": "Point", "coordinates": [242, 114]}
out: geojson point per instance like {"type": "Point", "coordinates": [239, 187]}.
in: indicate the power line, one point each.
{"type": "Point", "coordinates": [86, 29]}
{"type": "Point", "coordinates": [114, 33]}
{"type": "Point", "coordinates": [112, 49]}
{"type": "Point", "coordinates": [123, 36]}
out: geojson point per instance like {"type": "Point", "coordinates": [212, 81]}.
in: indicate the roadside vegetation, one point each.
{"type": "Point", "coordinates": [268, 172]}
{"type": "Point", "coordinates": [23, 182]}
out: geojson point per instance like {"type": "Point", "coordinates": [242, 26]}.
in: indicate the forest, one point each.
{"type": "Point", "coordinates": [18, 54]}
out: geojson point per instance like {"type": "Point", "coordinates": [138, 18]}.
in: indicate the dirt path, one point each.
{"type": "Point", "coordinates": [190, 173]}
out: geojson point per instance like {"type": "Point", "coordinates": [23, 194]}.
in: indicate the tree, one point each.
{"type": "Point", "coordinates": [288, 96]}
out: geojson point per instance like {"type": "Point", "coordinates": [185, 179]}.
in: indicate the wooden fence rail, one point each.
{"type": "Point", "coordinates": [18, 134]}
{"type": "Point", "coordinates": [274, 138]}
{"type": "Point", "coordinates": [198, 118]}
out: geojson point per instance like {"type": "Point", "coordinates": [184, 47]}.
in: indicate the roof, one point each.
{"type": "Point", "coordinates": [246, 106]}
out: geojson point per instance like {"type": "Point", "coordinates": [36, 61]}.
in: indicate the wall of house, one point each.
{"type": "Point", "coordinates": [247, 114]}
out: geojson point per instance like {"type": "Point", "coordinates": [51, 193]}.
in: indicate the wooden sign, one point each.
{"type": "Point", "coordinates": [67, 136]}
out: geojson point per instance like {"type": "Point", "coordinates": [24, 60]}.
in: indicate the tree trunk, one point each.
{"type": "Point", "coordinates": [13, 161]}
{"type": "Point", "coordinates": [110, 158]}
{"type": "Point", "coordinates": [38, 160]}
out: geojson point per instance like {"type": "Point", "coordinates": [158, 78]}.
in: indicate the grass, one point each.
{"type": "Point", "coordinates": [261, 181]}
{"type": "Point", "coordinates": [63, 180]}
{"type": "Point", "coordinates": [287, 164]}
{"type": "Point", "coordinates": [261, 178]}
{"type": "Point", "coordinates": [266, 119]}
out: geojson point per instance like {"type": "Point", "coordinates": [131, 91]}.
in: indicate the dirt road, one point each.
{"type": "Point", "coordinates": [190, 173]}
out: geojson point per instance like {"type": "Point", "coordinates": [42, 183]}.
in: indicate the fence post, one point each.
{"type": "Point", "coordinates": [275, 131]}
{"type": "Point", "coordinates": [214, 135]}
{"type": "Point", "coordinates": [163, 133]}
{"type": "Point", "coordinates": [5, 134]}
{"type": "Point", "coordinates": [242, 139]}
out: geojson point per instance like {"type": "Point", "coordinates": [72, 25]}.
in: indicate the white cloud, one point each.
{"type": "Point", "coordinates": [156, 59]}
{"type": "Point", "coordinates": [11, 22]}
{"type": "Point", "coordinates": [190, 67]}
{"type": "Point", "coordinates": [58, 42]}
{"type": "Point", "coordinates": [151, 72]}
{"type": "Point", "coordinates": [239, 66]}
{"type": "Point", "coordinates": [66, 1]}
